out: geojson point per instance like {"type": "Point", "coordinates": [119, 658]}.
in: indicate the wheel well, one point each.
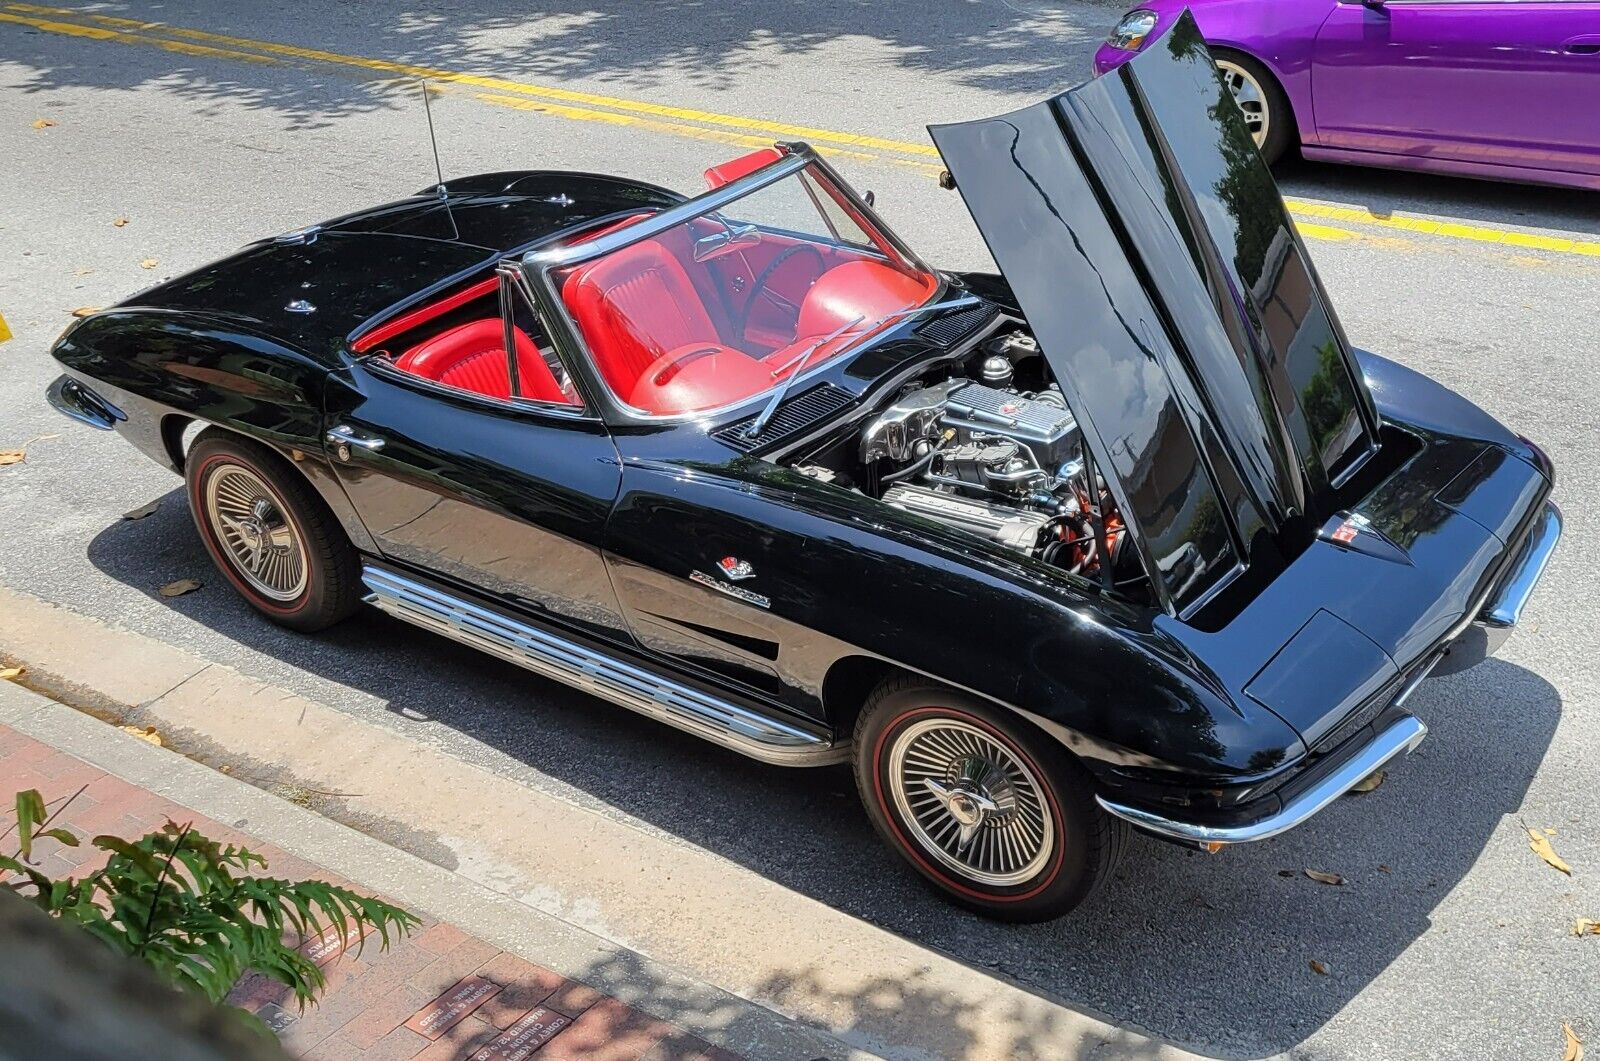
{"type": "Point", "coordinates": [177, 435]}
{"type": "Point", "coordinates": [848, 684]}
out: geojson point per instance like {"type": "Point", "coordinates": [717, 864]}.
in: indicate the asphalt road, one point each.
{"type": "Point", "coordinates": [1449, 939]}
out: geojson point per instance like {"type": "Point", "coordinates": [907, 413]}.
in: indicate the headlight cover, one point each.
{"type": "Point", "coordinates": [1133, 30]}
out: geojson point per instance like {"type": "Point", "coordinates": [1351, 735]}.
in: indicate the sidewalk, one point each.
{"type": "Point", "coordinates": [734, 957]}
{"type": "Point", "coordinates": [442, 992]}
{"type": "Point", "coordinates": [439, 993]}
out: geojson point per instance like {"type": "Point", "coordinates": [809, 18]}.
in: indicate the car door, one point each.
{"type": "Point", "coordinates": [508, 497]}
{"type": "Point", "coordinates": [1494, 82]}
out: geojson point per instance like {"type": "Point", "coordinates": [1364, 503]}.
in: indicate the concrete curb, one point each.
{"type": "Point", "coordinates": [714, 1015]}
{"type": "Point", "coordinates": [714, 921]}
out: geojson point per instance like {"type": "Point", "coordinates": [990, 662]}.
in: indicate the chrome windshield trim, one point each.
{"type": "Point", "coordinates": [688, 210]}
{"type": "Point", "coordinates": [1504, 608]}
{"type": "Point", "coordinates": [1400, 736]}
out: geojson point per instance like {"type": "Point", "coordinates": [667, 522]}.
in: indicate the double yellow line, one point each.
{"type": "Point", "coordinates": [736, 130]}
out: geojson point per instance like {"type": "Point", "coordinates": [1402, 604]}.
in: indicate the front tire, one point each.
{"type": "Point", "coordinates": [270, 534]}
{"type": "Point", "coordinates": [991, 812]}
{"type": "Point", "coordinates": [1266, 109]}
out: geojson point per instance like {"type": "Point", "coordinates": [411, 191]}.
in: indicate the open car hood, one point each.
{"type": "Point", "coordinates": [1150, 250]}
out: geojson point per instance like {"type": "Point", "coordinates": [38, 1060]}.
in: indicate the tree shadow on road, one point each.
{"type": "Point", "coordinates": [689, 52]}
{"type": "Point", "coordinates": [1031, 48]}
{"type": "Point", "coordinates": [1179, 943]}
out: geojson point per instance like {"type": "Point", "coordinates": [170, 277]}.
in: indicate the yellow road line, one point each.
{"type": "Point", "coordinates": [634, 121]}
{"type": "Point", "coordinates": [72, 29]}
{"type": "Point", "coordinates": [780, 129]}
{"type": "Point", "coordinates": [701, 124]}
{"type": "Point", "coordinates": [1475, 233]}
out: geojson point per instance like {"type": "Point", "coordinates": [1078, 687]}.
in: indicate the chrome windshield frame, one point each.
{"type": "Point", "coordinates": [540, 265]}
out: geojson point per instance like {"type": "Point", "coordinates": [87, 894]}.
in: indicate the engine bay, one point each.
{"type": "Point", "coordinates": [989, 447]}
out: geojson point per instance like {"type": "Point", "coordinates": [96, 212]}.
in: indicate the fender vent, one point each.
{"type": "Point", "coordinates": [795, 414]}
{"type": "Point", "coordinates": [957, 326]}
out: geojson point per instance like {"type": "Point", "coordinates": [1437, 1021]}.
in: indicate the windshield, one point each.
{"type": "Point", "coordinates": [730, 304]}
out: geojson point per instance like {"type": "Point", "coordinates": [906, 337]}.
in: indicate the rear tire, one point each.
{"type": "Point", "coordinates": [1260, 97]}
{"type": "Point", "coordinates": [270, 534]}
{"type": "Point", "coordinates": [994, 814]}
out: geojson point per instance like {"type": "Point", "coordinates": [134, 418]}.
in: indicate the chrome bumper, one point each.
{"type": "Point", "coordinates": [1488, 630]}
{"type": "Point", "coordinates": [1400, 736]}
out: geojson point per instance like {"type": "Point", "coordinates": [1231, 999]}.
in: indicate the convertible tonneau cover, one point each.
{"type": "Point", "coordinates": [1148, 245]}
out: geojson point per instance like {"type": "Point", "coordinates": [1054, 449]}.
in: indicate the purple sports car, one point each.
{"type": "Point", "coordinates": [1504, 89]}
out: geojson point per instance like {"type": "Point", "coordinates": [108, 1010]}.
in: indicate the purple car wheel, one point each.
{"type": "Point", "coordinates": [1265, 108]}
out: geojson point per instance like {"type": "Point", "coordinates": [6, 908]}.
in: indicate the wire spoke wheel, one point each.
{"type": "Point", "coordinates": [258, 538]}
{"type": "Point", "coordinates": [1250, 96]}
{"type": "Point", "coordinates": [970, 802]}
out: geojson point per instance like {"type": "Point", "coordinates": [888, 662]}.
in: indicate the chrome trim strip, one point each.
{"type": "Point", "coordinates": [719, 721]}
{"type": "Point", "coordinates": [1402, 735]}
{"type": "Point", "coordinates": [1505, 606]}
{"type": "Point", "coordinates": [644, 228]}
{"type": "Point", "coordinates": [77, 402]}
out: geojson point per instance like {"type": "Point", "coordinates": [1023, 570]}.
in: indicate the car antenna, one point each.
{"type": "Point", "coordinates": [438, 170]}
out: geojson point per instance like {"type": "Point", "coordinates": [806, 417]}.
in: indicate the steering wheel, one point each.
{"type": "Point", "coordinates": [759, 287]}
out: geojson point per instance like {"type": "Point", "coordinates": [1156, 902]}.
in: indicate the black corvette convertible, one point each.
{"type": "Point", "coordinates": [1123, 536]}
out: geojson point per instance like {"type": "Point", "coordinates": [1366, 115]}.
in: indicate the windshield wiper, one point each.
{"type": "Point", "coordinates": [761, 421]}
{"type": "Point", "coordinates": [799, 363]}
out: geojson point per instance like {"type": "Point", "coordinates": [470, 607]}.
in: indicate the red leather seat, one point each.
{"type": "Point", "coordinates": [641, 283]}
{"type": "Point", "coordinates": [472, 357]}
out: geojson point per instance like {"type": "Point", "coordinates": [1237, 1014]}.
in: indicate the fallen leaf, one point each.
{"type": "Point", "coordinates": [1286, 873]}
{"type": "Point", "coordinates": [83, 272]}
{"type": "Point", "coordinates": [120, 222]}
{"type": "Point", "coordinates": [11, 674]}
{"type": "Point", "coordinates": [84, 311]}
{"type": "Point", "coordinates": [1318, 967]}
{"type": "Point", "coordinates": [1581, 927]}
{"type": "Point", "coordinates": [150, 263]}
{"type": "Point", "coordinates": [145, 733]}
{"type": "Point", "coordinates": [43, 123]}
{"type": "Point", "coordinates": [1541, 847]}
{"type": "Point", "coordinates": [143, 510]}
{"type": "Point", "coordinates": [1324, 878]}
{"type": "Point", "coordinates": [1384, 869]}
{"type": "Point", "coordinates": [1549, 832]}
{"type": "Point", "coordinates": [1574, 1045]}
{"type": "Point", "coordinates": [12, 456]}
{"type": "Point", "coordinates": [180, 587]}
{"type": "Point", "coordinates": [1368, 783]}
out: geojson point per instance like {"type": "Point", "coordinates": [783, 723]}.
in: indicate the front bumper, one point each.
{"type": "Point", "coordinates": [1391, 734]}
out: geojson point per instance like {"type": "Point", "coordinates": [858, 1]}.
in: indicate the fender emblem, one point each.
{"type": "Point", "coordinates": [735, 569]}
{"type": "Point", "coordinates": [738, 592]}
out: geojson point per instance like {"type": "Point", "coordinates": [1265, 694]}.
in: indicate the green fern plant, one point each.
{"type": "Point", "coordinates": [191, 909]}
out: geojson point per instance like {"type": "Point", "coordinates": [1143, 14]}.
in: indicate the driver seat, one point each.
{"type": "Point", "coordinates": [634, 305]}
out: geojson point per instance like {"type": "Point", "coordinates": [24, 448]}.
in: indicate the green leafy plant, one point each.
{"type": "Point", "coordinates": [191, 909]}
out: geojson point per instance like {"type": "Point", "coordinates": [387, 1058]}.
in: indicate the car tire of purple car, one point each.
{"type": "Point", "coordinates": [991, 812]}
{"type": "Point", "coordinates": [1262, 100]}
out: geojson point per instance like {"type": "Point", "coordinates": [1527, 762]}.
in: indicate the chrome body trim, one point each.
{"type": "Point", "coordinates": [751, 733]}
{"type": "Point", "coordinates": [1504, 608]}
{"type": "Point", "coordinates": [1401, 736]}
{"type": "Point", "coordinates": [77, 402]}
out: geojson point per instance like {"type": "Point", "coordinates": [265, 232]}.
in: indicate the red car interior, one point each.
{"type": "Point", "coordinates": [472, 357]}
{"type": "Point", "coordinates": [422, 314]}
{"type": "Point", "coordinates": [669, 334]}
{"type": "Point", "coordinates": [742, 166]}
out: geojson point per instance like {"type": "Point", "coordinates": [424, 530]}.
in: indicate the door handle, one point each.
{"type": "Point", "coordinates": [1588, 44]}
{"type": "Point", "coordinates": [343, 438]}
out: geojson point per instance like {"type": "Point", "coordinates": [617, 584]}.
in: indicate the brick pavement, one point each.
{"type": "Point", "coordinates": [439, 993]}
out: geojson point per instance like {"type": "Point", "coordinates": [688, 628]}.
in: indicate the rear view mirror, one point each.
{"type": "Point", "coordinates": [734, 235]}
